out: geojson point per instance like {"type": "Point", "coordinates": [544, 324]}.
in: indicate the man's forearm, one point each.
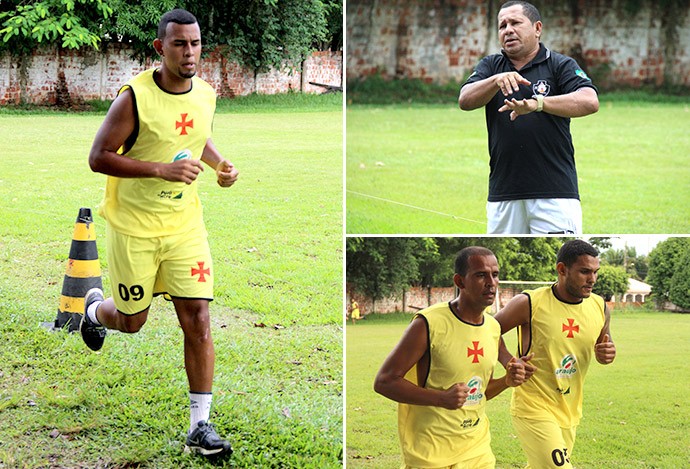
{"type": "Point", "coordinates": [405, 392]}
{"type": "Point", "coordinates": [496, 387]}
{"type": "Point", "coordinates": [477, 94]}
{"type": "Point", "coordinates": [582, 102]}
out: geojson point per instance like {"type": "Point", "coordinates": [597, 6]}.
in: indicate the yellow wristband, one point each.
{"type": "Point", "coordinates": [540, 102]}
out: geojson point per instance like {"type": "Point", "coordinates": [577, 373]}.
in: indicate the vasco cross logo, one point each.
{"type": "Point", "coordinates": [201, 271]}
{"type": "Point", "coordinates": [570, 327]}
{"type": "Point", "coordinates": [476, 351]}
{"type": "Point", "coordinates": [184, 123]}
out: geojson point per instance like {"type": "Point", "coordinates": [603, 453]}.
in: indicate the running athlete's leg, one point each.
{"type": "Point", "coordinates": [108, 316]}
{"type": "Point", "coordinates": [199, 355]}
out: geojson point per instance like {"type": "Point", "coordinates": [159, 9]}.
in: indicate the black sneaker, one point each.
{"type": "Point", "coordinates": [93, 334]}
{"type": "Point", "coordinates": [204, 440]}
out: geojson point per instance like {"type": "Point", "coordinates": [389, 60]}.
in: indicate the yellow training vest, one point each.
{"type": "Point", "coordinates": [169, 127]}
{"type": "Point", "coordinates": [460, 352]}
{"type": "Point", "coordinates": [563, 338]}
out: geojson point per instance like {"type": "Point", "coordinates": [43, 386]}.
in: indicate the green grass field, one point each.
{"type": "Point", "coordinates": [424, 169]}
{"type": "Point", "coordinates": [635, 410]}
{"type": "Point", "coordinates": [276, 238]}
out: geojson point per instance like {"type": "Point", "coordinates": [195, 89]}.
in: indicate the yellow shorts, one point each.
{"type": "Point", "coordinates": [546, 444]}
{"type": "Point", "coordinates": [177, 265]}
{"type": "Point", "coordinates": [483, 461]}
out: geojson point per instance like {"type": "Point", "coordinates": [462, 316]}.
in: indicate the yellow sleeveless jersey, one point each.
{"type": "Point", "coordinates": [563, 338]}
{"type": "Point", "coordinates": [460, 352]}
{"type": "Point", "coordinates": [169, 127]}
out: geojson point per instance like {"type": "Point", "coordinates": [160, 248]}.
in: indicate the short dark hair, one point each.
{"type": "Point", "coordinates": [529, 10]}
{"type": "Point", "coordinates": [178, 16]}
{"type": "Point", "coordinates": [573, 249]}
{"type": "Point", "coordinates": [462, 260]}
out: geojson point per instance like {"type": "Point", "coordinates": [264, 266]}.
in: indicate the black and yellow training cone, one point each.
{"type": "Point", "coordinates": [83, 272]}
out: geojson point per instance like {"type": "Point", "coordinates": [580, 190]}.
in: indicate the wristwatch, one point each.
{"type": "Point", "coordinates": [540, 102]}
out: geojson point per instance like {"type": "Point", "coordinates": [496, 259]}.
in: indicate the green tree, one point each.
{"type": "Point", "coordinates": [269, 33]}
{"type": "Point", "coordinates": [635, 265]}
{"type": "Point", "coordinates": [381, 267]}
{"type": "Point", "coordinates": [259, 34]}
{"type": "Point", "coordinates": [679, 292]}
{"type": "Point", "coordinates": [70, 24]}
{"type": "Point", "coordinates": [601, 243]}
{"type": "Point", "coordinates": [664, 261]}
{"type": "Point", "coordinates": [611, 281]}
{"type": "Point", "coordinates": [530, 259]}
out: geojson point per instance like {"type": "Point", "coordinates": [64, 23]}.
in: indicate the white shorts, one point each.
{"type": "Point", "coordinates": [535, 216]}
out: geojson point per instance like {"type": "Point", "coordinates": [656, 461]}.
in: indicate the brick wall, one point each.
{"type": "Point", "coordinates": [52, 75]}
{"type": "Point", "coordinates": [417, 298]}
{"type": "Point", "coordinates": [442, 40]}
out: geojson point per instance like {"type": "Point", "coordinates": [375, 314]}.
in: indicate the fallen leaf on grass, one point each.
{"type": "Point", "coordinates": [286, 412]}
{"type": "Point", "coordinates": [259, 324]}
{"type": "Point", "coordinates": [54, 434]}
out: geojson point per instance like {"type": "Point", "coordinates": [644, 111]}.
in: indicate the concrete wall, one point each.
{"type": "Point", "coordinates": [52, 75]}
{"type": "Point", "coordinates": [442, 40]}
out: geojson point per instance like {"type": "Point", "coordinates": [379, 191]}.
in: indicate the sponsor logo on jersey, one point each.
{"type": "Point", "coordinates": [475, 393]}
{"type": "Point", "coordinates": [170, 195]}
{"type": "Point", "coordinates": [468, 423]}
{"type": "Point", "coordinates": [581, 73]}
{"type": "Point", "coordinates": [183, 155]}
{"type": "Point", "coordinates": [568, 367]}
{"type": "Point", "coordinates": [541, 87]}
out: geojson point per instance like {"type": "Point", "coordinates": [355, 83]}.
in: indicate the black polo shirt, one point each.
{"type": "Point", "coordinates": [532, 157]}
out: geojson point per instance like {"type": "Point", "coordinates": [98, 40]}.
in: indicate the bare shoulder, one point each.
{"type": "Point", "coordinates": [515, 313]}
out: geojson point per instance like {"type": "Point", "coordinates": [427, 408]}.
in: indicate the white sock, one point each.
{"type": "Point", "coordinates": [199, 408]}
{"type": "Point", "coordinates": [91, 312]}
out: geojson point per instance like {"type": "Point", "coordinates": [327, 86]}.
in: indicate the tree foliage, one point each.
{"type": "Point", "coordinates": [268, 33]}
{"type": "Point", "coordinates": [635, 265]}
{"type": "Point", "coordinates": [679, 292]}
{"type": "Point", "coordinates": [70, 23]}
{"type": "Point", "coordinates": [259, 34]}
{"type": "Point", "coordinates": [612, 281]}
{"type": "Point", "coordinates": [665, 261]}
{"type": "Point", "coordinates": [378, 267]}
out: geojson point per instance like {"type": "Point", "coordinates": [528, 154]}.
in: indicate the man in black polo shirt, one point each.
{"type": "Point", "coordinates": [530, 94]}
